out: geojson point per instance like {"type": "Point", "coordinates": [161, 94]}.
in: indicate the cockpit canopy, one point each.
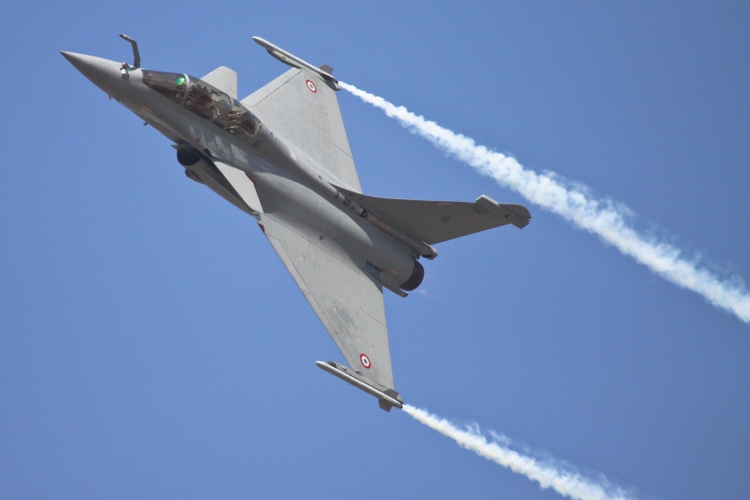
{"type": "Point", "coordinates": [170, 85]}
{"type": "Point", "coordinates": [204, 100]}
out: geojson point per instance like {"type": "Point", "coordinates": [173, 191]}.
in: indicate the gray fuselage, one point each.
{"type": "Point", "coordinates": [291, 186]}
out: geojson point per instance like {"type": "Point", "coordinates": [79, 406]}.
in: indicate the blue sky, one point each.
{"type": "Point", "coordinates": [152, 344]}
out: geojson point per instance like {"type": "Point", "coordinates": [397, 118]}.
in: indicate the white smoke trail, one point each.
{"type": "Point", "coordinates": [575, 204]}
{"type": "Point", "coordinates": [548, 474]}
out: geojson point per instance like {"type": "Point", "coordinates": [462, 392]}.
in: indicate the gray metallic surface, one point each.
{"type": "Point", "coordinates": [387, 399]}
{"type": "Point", "coordinates": [224, 79]}
{"type": "Point", "coordinates": [295, 174]}
{"type": "Point", "coordinates": [436, 221]}
{"type": "Point", "coordinates": [347, 300]}
{"type": "Point", "coordinates": [288, 107]}
{"type": "Point", "coordinates": [282, 55]}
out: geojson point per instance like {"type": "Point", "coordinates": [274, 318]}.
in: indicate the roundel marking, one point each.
{"type": "Point", "coordinates": [311, 86]}
{"type": "Point", "coordinates": [365, 361]}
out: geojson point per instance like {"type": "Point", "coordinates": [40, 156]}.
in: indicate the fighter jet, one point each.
{"type": "Point", "coordinates": [282, 156]}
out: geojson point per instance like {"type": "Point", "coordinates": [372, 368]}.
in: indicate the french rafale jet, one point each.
{"type": "Point", "coordinates": [282, 155]}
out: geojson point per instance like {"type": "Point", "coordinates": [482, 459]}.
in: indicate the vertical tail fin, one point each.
{"type": "Point", "coordinates": [224, 79]}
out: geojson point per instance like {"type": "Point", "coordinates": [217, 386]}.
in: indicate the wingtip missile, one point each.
{"type": "Point", "coordinates": [294, 61]}
{"type": "Point", "coordinates": [387, 399]}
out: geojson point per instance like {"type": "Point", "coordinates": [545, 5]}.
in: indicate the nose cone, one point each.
{"type": "Point", "coordinates": [104, 73]}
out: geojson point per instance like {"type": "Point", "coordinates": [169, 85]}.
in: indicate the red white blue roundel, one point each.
{"type": "Point", "coordinates": [311, 86]}
{"type": "Point", "coordinates": [365, 361]}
